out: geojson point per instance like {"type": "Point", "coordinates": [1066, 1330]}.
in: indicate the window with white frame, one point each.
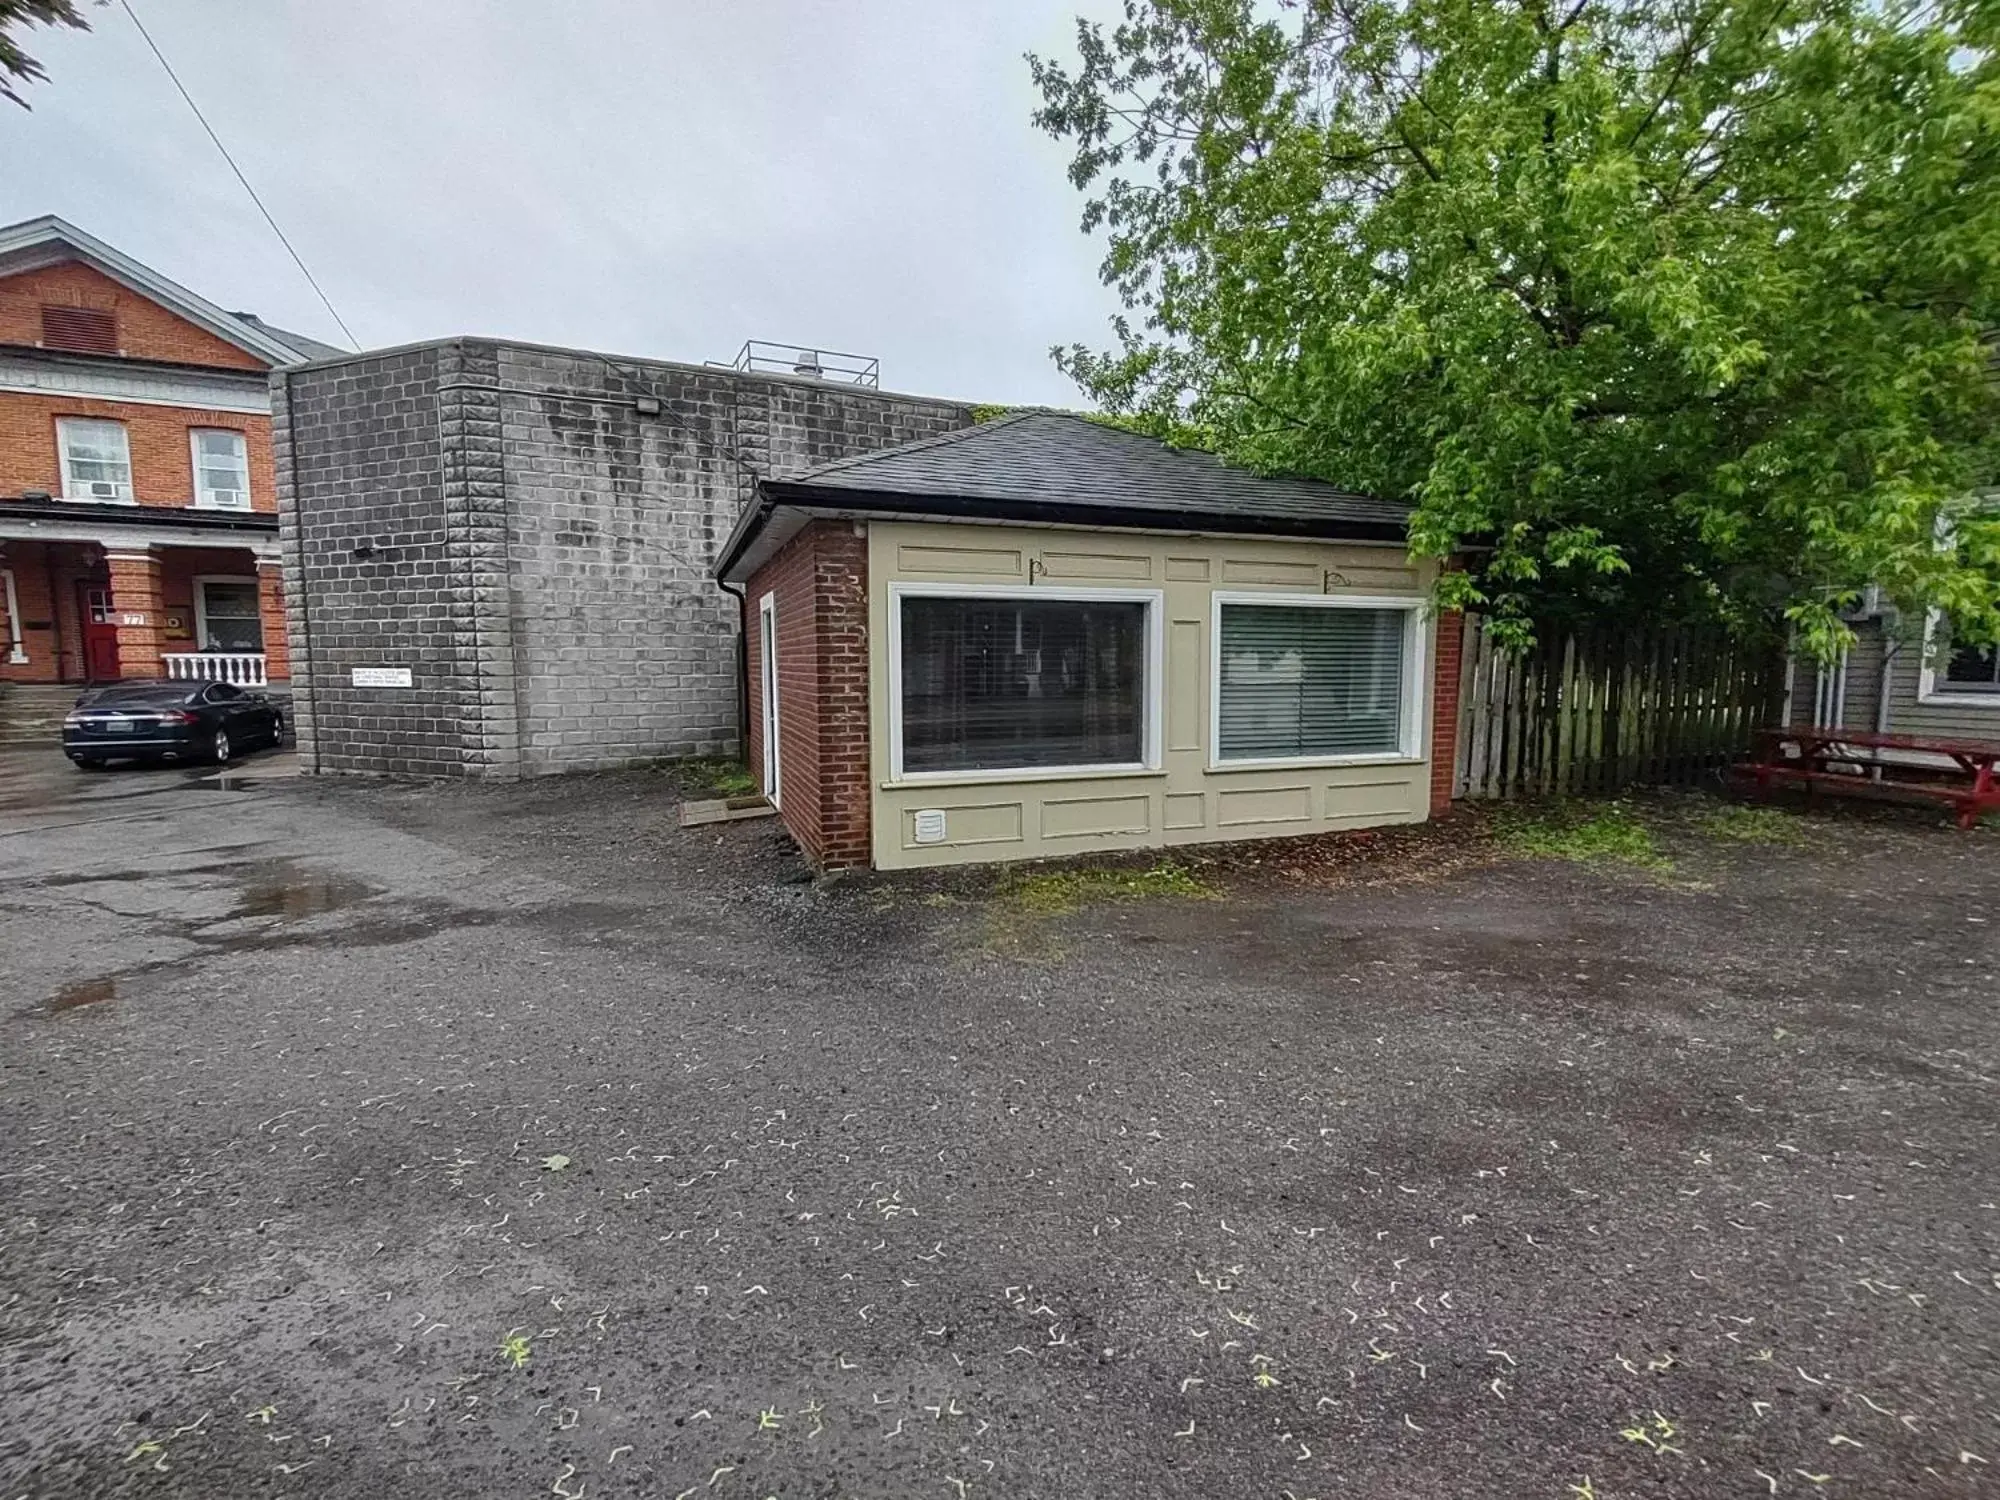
{"type": "Point", "coordinates": [226, 614]}
{"type": "Point", "coordinates": [1951, 670]}
{"type": "Point", "coordinates": [221, 469]}
{"type": "Point", "coordinates": [1315, 678]}
{"type": "Point", "coordinates": [1030, 680]}
{"type": "Point", "coordinates": [96, 459]}
{"type": "Point", "coordinates": [1971, 669]}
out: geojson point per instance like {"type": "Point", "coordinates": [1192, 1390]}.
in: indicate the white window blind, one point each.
{"type": "Point", "coordinates": [221, 469]}
{"type": "Point", "coordinates": [96, 460]}
{"type": "Point", "coordinates": [1304, 681]}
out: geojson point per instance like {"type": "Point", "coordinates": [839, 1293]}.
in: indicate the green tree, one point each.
{"type": "Point", "coordinates": [16, 67]}
{"type": "Point", "coordinates": [1658, 306]}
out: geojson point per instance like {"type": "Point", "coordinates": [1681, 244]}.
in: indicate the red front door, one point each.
{"type": "Point", "coordinates": [100, 632]}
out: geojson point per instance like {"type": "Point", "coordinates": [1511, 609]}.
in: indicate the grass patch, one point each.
{"type": "Point", "coordinates": [1752, 825]}
{"type": "Point", "coordinates": [715, 776]}
{"type": "Point", "coordinates": [1588, 832]}
{"type": "Point", "coordinates": [1059, 893]}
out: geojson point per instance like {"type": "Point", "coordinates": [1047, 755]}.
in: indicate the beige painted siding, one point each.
{"type": "Point", "coordinates": [999, 816]}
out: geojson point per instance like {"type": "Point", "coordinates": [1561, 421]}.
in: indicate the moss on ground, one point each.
{"type": "Point", "coordinates": [1753, 825]}
{"type": "Point", "coordinates": [1588, 832]}
{"type": "Point", "coordinates": [1059, 893]}
{"type": "Point", "coordinates": [1022, 904]}
{"type": "Point", "coordinates": [714, 776]}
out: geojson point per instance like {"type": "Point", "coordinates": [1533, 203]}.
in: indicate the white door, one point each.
{"type": "Point", "coordinates": [767, 656]}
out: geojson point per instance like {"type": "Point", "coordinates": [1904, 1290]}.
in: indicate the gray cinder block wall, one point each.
{"type": "Point", "coordinates": [502, 520]}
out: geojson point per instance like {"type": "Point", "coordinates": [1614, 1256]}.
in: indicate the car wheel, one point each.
{"type": "Point", "coordinates": [277, 730]}
{"type": "Point", "coordinates": [218, 748]}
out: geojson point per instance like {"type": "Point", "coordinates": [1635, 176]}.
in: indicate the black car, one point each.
{"type": "Point", "coordinates": [168, 719]}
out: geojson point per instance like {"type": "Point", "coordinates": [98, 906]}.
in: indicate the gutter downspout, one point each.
{"type": "Point", "coordinates": [762, 506]}
{"type": "Point", "coordinates": [742, 663]}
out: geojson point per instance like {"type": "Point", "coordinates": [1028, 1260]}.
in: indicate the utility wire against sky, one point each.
{"type": "Point", "coordinates": [296, 260]}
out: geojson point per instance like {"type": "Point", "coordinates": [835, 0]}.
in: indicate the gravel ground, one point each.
{"type": "Point", "coordinates": [369, 1140]}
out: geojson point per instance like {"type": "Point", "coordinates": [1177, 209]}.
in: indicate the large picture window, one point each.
{"type": "Point", "coordinates": [1022, 683]}
{"type": "Point", "coordinates": [1313, 681]}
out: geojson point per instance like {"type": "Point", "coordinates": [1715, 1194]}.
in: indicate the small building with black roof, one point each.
{"type": "Point", "coordinates": [1048, 635]}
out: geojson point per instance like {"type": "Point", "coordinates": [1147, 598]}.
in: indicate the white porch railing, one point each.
{"type": "Point", "coordinates": [242, 668]}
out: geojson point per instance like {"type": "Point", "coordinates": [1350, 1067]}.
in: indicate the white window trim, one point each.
{"type": "Point", "coordinates": [199, 583]}
{"type": "Point", "coordinates": [17, 646]}
{"type": "Point", "coordinates": [1931, 686]}
{"type": "Point", "coordinates": [201, 493]}
{"type": "Point", "coordinates": [1416, 679]}
{"type": "Point", "coordinates": [1151, 693]}
{"type": "Point", "coordinates": [63, 425]}
{"type": "Point", "coordinates": [771, 773]}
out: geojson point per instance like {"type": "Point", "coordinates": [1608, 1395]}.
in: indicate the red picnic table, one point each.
{"type": "Point", "coordinates": [1851, 763]}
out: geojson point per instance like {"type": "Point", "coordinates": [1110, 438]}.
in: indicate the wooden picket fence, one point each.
{"type": "Point", "coordinates": [1602, 710]}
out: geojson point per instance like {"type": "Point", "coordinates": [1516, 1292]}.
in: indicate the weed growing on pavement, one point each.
{"type": "Point", "coordinates": [1654, 1434]}
{"type": "Point", "coordinates": [515, 1350]}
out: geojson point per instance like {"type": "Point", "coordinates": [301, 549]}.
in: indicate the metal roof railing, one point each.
{"type": "Point", "coordinates": [763, 356]}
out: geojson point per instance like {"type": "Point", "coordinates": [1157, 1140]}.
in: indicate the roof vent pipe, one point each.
{"type": "Point", "coordinates": [808, 364]}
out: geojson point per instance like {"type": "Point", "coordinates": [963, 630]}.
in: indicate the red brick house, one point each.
{"type": "Point", "coordinates": [1043, 636]}
{"type": "Point", "coordinates": [138, 508]}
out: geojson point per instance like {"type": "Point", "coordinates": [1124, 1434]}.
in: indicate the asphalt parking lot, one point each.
{"type": "Point", "coordinates": [383, 1140]}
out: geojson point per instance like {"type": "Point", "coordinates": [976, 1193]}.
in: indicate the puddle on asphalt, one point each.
{"type": "Point", "coordinates": [281, 889]}
{"type": "Point", "coordinates": [76, 996]}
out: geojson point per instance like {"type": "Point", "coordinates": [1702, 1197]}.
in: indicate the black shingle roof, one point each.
{"type": "Point", "coordinates": [1052, 466]}
{"type": "Point", "coordinates": [1045, 455]}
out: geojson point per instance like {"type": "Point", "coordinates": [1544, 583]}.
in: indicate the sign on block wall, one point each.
{"type": "Point", "coordinates": [382, 677]}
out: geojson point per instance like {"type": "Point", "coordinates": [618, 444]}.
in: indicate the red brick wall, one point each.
{"type": "Point", "coordinates": [819, 584]}
{"type": "Point", "coordinates": [145, 329]}
{"type": "Point", "coordinates": [162, 452]}
{"type": "Point", "coordinates": [45, 579]}
{"type": "Point", "coordinates": [29, 563]}
{"type": "Point", "coordinates": [1444, 711]}
{"type": "Point", "coordinates": [271, 615]}
{"type": "Point", "coordinates": [137, 582]}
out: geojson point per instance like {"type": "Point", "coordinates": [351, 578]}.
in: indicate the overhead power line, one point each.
{"type": "Point", "coordinates": [296, 259]}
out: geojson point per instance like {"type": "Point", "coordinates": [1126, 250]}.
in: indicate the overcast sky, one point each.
{"type": "Point", "coordinates": [654, 177]}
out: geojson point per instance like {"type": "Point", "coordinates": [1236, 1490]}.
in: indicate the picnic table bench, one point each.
{"type": "Point", "coordinates": [1852, 763]}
